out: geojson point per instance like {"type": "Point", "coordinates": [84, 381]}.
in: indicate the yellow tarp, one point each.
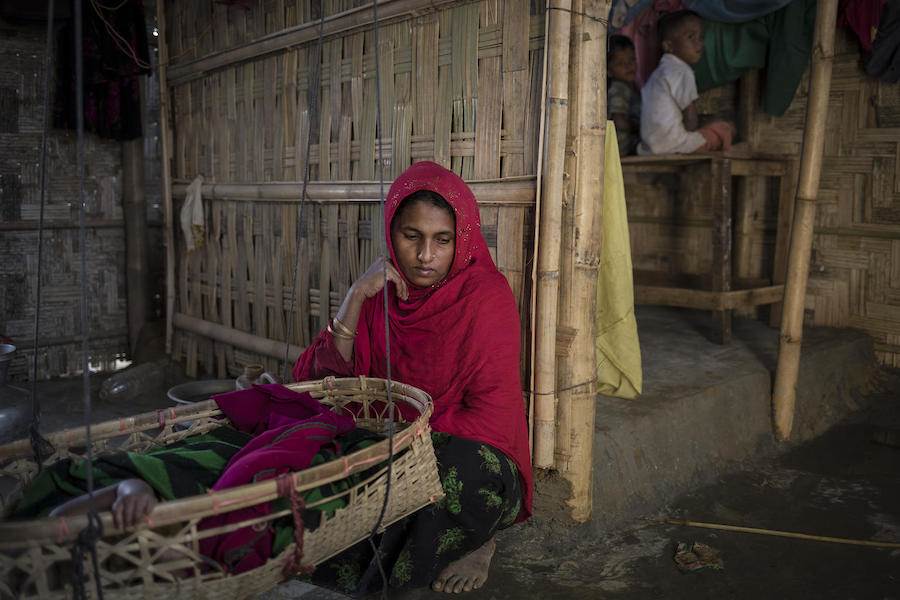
{"type": "Point", "coordinates": [616, 343]}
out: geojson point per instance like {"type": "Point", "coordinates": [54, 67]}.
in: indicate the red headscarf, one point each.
{"type": "Point", "coordinates": [457, 340]}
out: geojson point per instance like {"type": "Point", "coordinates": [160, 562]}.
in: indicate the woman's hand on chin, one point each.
{"type": "Point", "coordinates": [371, 282]}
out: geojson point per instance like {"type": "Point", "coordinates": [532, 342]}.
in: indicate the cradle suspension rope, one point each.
{"type": "Point", "coordinates": [39, 444]}
{"type": "Point", "coordinates": [315, 87]}
{"type": "Point", "coordinates": [87, 540]}
{"type": "Point", "coordinates": [384, 294]}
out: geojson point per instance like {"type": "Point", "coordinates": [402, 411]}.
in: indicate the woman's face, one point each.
{"type": "Point", "coordinates": [424, 239]}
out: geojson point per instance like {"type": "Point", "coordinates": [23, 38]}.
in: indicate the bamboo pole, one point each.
{"type": "Point", "coordinates": [135, 213]}
{"type": "Point", "coordinates": [550, 226]}
{"type": "Point", "coordinates": [511, 191]}
{"type": "Point", "coordinates": [582, 244]}
{"type": "Point", "coordinates": [784, 394]}
{"type": "Point", "coordinates": [164, 137]}
{"type": "Point", "coordinates": [234, 337]}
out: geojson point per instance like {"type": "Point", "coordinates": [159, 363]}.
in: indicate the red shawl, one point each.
{"type": "Point", "coordinates": [457, 340]}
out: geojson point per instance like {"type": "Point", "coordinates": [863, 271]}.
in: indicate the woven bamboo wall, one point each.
{"type": "Point", "coordinates": [855, 266]}
{"type": "Point", "coordinates": [459, 85]}
{"type": "Point", "coordinates": [21, 123]}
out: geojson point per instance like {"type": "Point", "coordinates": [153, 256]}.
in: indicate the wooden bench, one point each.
{"type": "Point", "coordinates": [724, 292]}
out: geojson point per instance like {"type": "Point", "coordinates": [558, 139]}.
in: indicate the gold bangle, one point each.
{"type": "Point", "coordinates": [337, 325]}
{"type": "Point", "coordinates": [338, 334]}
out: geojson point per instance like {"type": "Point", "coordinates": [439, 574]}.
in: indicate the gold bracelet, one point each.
{"type": "Point", "coordinates": [338, 334]}
{"type": "Point", "coordinates": [336, 324]}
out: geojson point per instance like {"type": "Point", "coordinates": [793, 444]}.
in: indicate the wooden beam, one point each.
{"type": "Point", "coordinates": [336, 24]}
{"type": "Point", "coordinates": [707, 300]}
{"type": "Point", "coordinates": [165, 134]}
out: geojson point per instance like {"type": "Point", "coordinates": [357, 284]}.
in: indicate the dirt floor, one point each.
{"type": "Point", "coordinates": [843, 484]}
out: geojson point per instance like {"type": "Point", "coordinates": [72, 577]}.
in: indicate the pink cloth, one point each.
{"type": "Point", "coordinates": [290, 429]}
{"type": "Point", "coordinates": [642, 31]}
{"type": "Point", "coordinates": [457, 340]}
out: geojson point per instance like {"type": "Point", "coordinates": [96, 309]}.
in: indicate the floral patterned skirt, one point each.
{"type": "Point", "coordinates": [482, 495]}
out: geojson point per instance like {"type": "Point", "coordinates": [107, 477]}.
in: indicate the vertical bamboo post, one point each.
{"type": "Point", "coordinates": [164, 132]}
{"type": "Point", "coordinates": [581, 244]}
{"type": "Point", "coordinates": [746, 186]}
{"type": "Point", "coordinates": [550, 225]}
{"type": "Point", "coordinates": [135, 211]}
{"type": "Point", "coordinates": [784, 394]}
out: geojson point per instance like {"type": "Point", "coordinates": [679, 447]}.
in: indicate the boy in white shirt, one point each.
{"type": "Point", "coordinates": [668, 115]}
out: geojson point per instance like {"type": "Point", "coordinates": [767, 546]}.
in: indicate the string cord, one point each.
{"type": "Point", "coordinates": [387, 321]}
{"type": "Point", "coordinates": [313, 110]}
{"type": "Point", "coordinates": [88, 538]}
{"type": "Point", "coordinates": [39, 444]}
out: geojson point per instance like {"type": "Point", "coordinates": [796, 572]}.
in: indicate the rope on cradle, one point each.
{"type": "Point", "coordinates": [87, 539]}
{"type": "Point", "coordinates": [39, 444]}
{"type": "Point", "coordinates": [286, 489]}
{"type": "Point", "coordinates": [387, 321]}
{"type": "Point", "coordinates": [87, 544]}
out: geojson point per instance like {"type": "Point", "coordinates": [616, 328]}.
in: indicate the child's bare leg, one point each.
{"type": "Point", "coordinates": [129, 501]}
{"type": "Point", "coordinates": [103, 500]}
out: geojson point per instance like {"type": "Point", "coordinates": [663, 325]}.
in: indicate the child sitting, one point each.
{"type": "Point", "coordinates": [623, 100]}
{"type": "Point", "coordinates": [668, 116]}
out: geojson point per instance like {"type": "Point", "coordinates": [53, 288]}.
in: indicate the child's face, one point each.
{"type": "Point", "coordinates": [686, 42]}
{"type": "Point", "coordinates": [622, 65]}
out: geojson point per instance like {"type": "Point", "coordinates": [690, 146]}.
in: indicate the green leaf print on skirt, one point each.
{"type": "Point", "coordinates": [450, 539]}
{"type": "Point", "coordinates": [348, 572]}
{"type": "Point", "coordinates": [402, 571]}
{"type": "Point", "coordinates": [510, 513]}
{"type": "Point", "coordinates": [489, 460]}
{"type": "Point", "coordinates": [491, 498]}
{"type": "Point", "coordinates": [452, 490]}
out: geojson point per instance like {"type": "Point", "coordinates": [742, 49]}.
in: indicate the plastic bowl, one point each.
{"type": "Point", "coordinates": [198, 391]}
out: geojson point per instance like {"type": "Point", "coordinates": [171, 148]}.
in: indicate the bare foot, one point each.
{"type": "Point", "coordinates": [468, 573]}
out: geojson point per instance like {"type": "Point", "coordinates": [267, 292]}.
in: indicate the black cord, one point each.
{"type": "Point", "coordinates": [39, 444]}
{"type": "Point", "coordinates": [93, 530]}
{"type": "Point", "coordinates": [313, 84]}
{"type": "Point", "coordinates": [387, 321]}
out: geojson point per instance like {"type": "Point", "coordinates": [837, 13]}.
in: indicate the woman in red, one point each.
{"type": "Point", "coordinates": [454, 332]}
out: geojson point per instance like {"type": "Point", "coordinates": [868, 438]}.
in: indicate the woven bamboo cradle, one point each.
{"type": "Point", "coordinates": [161, 559]}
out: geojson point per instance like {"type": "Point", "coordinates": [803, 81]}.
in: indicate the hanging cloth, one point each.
{"type": "Point", "coordinates": [734, 11]}
{"type": "Point", "coordinates": [643, 33]}
{"type": "Point", "coordinates": [616, 342]}
{"type": "Point", "coordinates": [116, 55]}
{"type": "Point", "coordinates": [726, 11]}
{"type": "Point", "coordinates": [193, 220]}
{"type": "Point", "coordinates": [781, 42]}
{"type": "Point", "coordinates": [861, 17]}
{"type": "Point", "coordinates": [885, 60]}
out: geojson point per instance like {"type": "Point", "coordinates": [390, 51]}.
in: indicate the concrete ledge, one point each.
{"type": "Point", "coordinates": [706, 408]}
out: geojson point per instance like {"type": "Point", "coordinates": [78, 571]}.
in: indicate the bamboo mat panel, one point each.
{"type": "Point", "coordinates": [854, 278]}
{"type": "Point", "coordinates": [459, 85]}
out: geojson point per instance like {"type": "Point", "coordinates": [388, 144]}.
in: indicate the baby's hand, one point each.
{"type": "Point", "coordinates": [134, 500]}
